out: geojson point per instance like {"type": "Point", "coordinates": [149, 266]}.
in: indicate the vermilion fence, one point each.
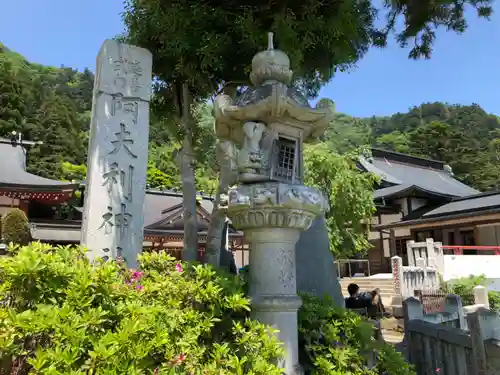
{"type": "Point", "coordinates": [459, 250]}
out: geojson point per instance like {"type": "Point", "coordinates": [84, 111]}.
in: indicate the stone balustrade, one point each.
{"type": "Point", "coordinates": [408, 279]}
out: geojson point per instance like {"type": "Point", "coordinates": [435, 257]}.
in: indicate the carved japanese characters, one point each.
{"type": "Point", "coordinates": [118, 149]}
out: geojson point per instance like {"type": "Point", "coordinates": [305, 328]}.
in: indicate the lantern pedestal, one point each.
{"type": "Point", "coordinates": [272, 216]}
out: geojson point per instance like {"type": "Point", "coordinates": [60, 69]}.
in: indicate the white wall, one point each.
{"type": "Point", "coordinates": [458, 266]}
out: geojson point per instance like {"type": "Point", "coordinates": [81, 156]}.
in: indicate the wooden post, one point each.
{"type": "Point", "coordinates": [478, 350]}
{"type": "Point", "coordinates": [392, 243]}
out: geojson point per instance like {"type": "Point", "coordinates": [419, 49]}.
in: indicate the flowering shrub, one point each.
{"type": "Point", "coordinates": [337, 341]}
{"type": "Point", "coordinates": [61, 315]}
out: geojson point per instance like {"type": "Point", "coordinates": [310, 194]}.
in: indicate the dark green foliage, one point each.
{"type": "Point", "coordinates": [58, 129]}
{"type": "Point", "coordinates": [61, 314]}
{"type": "Point", "coordinates": [15, 227]}
{"type": "Point", "coordinates": [334, 340]}
{"type": "Point", "coordinates": [196, 41]}
{"type": "Point", "coordinates": [12, 107]}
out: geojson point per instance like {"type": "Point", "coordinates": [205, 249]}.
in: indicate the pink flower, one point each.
{"type": "Point", "coordinates": [438, 370]}
{"type": "Point", "coordinates": [136, 275]}
{"type": "Point", "coordinates": [178, 267]}
{"type": "Point", "coordinates": [139, 287]}
{"type": "Point", "coordinates": [156, 371]}
{"type": "Point", "coordinates": [182, 357]}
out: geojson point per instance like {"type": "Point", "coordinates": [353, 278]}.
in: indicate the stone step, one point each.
{"type": "Point", "coordinates": [392, 337]}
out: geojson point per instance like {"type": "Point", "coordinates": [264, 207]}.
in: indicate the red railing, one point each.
{"type": "Point", "coordinates": [459, 250]}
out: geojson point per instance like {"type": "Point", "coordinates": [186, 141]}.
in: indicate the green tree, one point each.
{"type": "Point", "coordinates": [395, 141]}
{"type": "Point", "coordinates": [58, 129]}
{"type": "Point", "coordinates": [346, 133]}
{"type": "Point", "coordinates": [350, 194]}
{"type": "Point", "coordinates": [12, 101]}
{"type": "Point", "coordinates": [73, 172]}
{"type": "Point", "coordinates": [193, 45]}
{"type": "Point", "coordinates": [194, 42]}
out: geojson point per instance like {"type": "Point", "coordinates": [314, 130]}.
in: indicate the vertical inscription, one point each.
{"type": "Point", "coordinates": [123, 140]}
{"type": "Point", "coordinates": [128, 71]}
{"type": "Point", "coordinates": [113, 218]}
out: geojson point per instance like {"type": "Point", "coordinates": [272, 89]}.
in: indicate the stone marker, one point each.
{"type": "Point", "coordinates": [113, 218]}
{"type": "Point", "coordinates": [316, 272]}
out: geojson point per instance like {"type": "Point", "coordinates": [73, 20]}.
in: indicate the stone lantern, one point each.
{"type": "Point", "coordinates": [261, 136]}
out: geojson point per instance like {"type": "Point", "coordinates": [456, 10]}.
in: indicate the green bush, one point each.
{"type": "Point", "coordinates": [15, 227]}
{"type": "Point", "coordinates": [61, 315]}
{"type": "Point", "coordinates": [464, 288]}
{"type": "Point", "coordinates": [336, 341]}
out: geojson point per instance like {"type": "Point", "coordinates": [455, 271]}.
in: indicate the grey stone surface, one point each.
{"type": "Point", "coordinates": [113, 219]}
{"type": "Point", "coordinates": [316, 272]}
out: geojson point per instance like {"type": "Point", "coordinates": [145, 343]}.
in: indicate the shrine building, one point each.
{"type": "Point", "coordinates": [54, 209]}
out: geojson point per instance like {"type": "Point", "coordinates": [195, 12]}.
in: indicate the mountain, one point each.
{"type": "Point", "coordinates": [53, 105]}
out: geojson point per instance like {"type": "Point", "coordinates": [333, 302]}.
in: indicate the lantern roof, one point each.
{"type": "Point", "coordinates": [271, 99]}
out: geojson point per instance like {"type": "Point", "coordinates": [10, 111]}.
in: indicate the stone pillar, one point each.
{"type": "Point", "coordinates": [113, 218]}
{"type": "Point", "coordinates": [399, 286]}
{"type": "Point", "coordinates": [273, 288]}
{"type": "Point", "coordinates": [272, 216]}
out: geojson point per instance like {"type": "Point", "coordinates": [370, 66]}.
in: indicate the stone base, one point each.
{"type": "Point", "coordinates": [272, 216]}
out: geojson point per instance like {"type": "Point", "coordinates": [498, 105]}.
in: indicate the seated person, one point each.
{"type": "Point", "coordinates": [357, 300]}
{"type": "Point", "coordinates": [372, 302]}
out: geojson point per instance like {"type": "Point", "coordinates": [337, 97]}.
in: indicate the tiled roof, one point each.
{"type": "Point", "coordinates": [13, 171]}
{"type": "Point", "coordinates": [429, 175]}
{"type": "Point", "coordinates": [479, 202]}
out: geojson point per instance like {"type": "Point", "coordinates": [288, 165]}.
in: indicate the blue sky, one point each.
{"type": "Point", "coordinates": [463, 70]}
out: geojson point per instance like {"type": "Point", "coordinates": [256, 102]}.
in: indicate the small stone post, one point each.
{"type": "Point", "coordinates": [398, 283]}
{"type": "Point", "coordinates": [113, 218]}
{"type": "Point", "coordinates": [481, 296]}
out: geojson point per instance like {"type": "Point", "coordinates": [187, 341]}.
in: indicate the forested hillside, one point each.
{"type": "Point", "coordinates": [53, 105]}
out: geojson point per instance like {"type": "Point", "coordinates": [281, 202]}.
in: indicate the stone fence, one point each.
{"type": "Point", "coordinates": [452, 342]}
{"type": "Point", "coordinates": [407, 279]}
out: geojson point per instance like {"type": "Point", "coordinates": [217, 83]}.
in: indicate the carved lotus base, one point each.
{"type": "Point", "coordinates": [271, 218]}
{"type": "Point", "coordinates": [274, 205]}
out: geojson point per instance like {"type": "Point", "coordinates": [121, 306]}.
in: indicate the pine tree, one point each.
{"type": "Point", "coordinates": [58, 127]}
{"type": "Point", "coordinates": [12, 103]}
